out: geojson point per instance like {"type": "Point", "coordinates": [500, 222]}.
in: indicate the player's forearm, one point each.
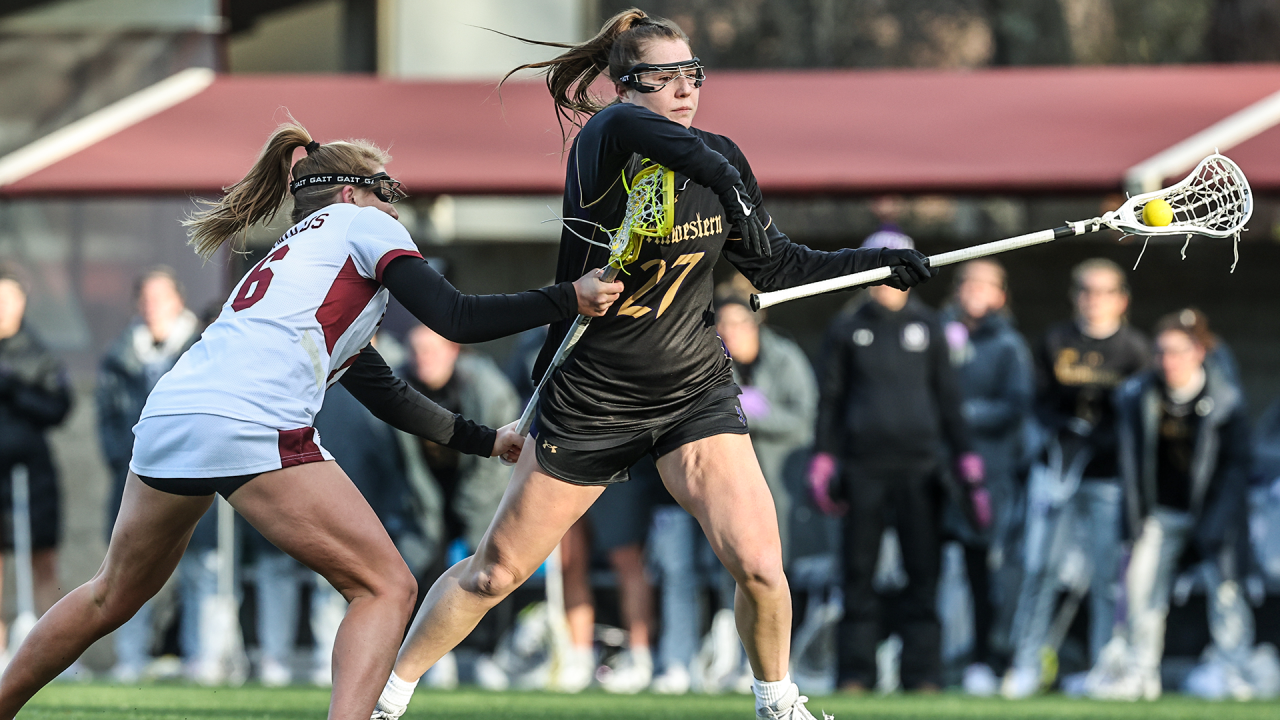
{"type": "Point", "coordinates": [474, 318]}
{"type": "Point", "coordinates": [392, 401]}
{"type": "Point", "coordinates": [626, 129]}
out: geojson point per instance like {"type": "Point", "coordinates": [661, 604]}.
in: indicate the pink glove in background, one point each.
{"type": "Point", "coordinates": [972, 472]}
{"type": "Point", "coordinates": [971, 468]}
{"type": "Point", "coordinates": [822, 470]}
{"type": "Point", "coordinates": [754, 403]}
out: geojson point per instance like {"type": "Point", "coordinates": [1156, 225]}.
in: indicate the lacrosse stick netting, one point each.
{"type": "Point", "coordinates": [649, 214]}
{"type": "Point", "coordinates": [1214, 201]}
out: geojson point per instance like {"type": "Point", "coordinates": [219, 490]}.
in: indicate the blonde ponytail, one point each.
{"type": "Point", "coordinates": [260, 194]}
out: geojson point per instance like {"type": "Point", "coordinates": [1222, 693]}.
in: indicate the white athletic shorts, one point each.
{"type": "Point", "coordinates": [212, 446]}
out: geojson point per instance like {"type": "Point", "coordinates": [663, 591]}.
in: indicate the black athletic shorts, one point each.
{"type": "Point", "coordinates": [224, 486]}
{"type": "Point", "coordinates": [584, 459]}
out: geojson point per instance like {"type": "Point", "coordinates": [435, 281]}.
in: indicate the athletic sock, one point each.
{"type": "Point", "coordinates": [396, 694]}
{"type": "Point", "coordinates": [769, 694]}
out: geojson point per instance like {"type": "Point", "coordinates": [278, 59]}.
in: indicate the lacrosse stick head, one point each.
{"type": "Point", "coordinates": [1214, 200]}
{"type": "Point", "coordinates": [650, 210]}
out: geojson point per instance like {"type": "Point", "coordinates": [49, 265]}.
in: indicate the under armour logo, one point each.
{"type": "Point", "coordinates": [548, 446]}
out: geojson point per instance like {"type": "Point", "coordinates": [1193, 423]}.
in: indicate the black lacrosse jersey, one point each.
{"type": "Point", "coordinates": [656, 352]}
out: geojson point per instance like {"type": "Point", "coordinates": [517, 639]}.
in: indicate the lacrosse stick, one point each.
{"type": "Point", "coordinates": [22, 568]}
{"type": "Point", "coordinates": [650, 202]}
{"type": "Point", "coordinates": [1214, 200]}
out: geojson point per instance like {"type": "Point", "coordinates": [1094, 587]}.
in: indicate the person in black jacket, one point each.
{"type": "Point", "coordinates": [162, 331]}
{"type": "Point", "coordinates": [1185, 458]}
{"type": "Point", "coordinates": [650, 377]}
{"type": "Point", "coordinates": [889, 416]}
{"type": "Point", "coordinates": [1074, 493]}
{"type": "Point", "coordinates": [35, 395]}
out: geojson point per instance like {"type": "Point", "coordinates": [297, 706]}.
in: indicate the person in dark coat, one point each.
{"type": "Point", "coordinates": [1074, 493]}
{"type": "Point", "coordinates": [889, 418]}
{"type": "Point", "coordinates": [1185, 458]}
{"type": "Point", "coordinates": [158, 335]}
{"type": "Point", "coordinates": [35, 395]}
{"type": "Point", "coordinates": [997, 383]}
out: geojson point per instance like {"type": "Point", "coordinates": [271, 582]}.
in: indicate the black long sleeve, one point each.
{"type": "Point", "coordinates": [392, 401]}
{"type": "Point", "coordinates": [473, 318]}
{"type": "Point", "coordinates": [609, 139]}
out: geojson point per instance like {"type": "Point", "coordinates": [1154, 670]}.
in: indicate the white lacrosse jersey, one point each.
{"type": "Point", "coordinates": [293, 324]}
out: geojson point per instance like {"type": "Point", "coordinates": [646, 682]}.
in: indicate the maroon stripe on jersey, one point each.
{"type": "Point", "coordinates": [347, 298]}
{"type": "Point", "coordinates": [298, 447]}
{"type": "Point", "coordinates": [388, 257]}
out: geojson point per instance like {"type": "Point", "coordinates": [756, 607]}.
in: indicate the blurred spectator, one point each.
{"type": "Point", "coordinates": [1074, 492]}
{"type": "Point", "coordinates": [35, 395]}
{"type": "Point", "coordinates": [997, 382]}
{"type": "Point", "coordinates": [779, 395]}
{"type": "Point", "coordinates": [889, 419]}
{"type": "Point", "coordinates": [455, 495]}
{"type": "Point", "coordinates": [148, 348]}
{"type": "Point", "coordinates": [615, 526]}
{"type": "Point", "coordinates": [1185, 459]}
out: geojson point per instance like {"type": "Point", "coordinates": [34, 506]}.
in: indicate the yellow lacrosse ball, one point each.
{"type": "Point", "coordinates": [1157, 213]}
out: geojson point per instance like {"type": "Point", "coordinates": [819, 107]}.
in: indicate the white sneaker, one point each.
{"type": "Point", "coordinates": [1020, 683]}
{"type": "Point", "coordinates": [577, 670]}
{"type": "Point", "coordinates": [675, 680]}
{"type": "Point", "coordinates": [444, 674]}
{"type": "Point", "coordinates": [1130, 686]}
{"type": "Point", "coordinates": [125, 673]}
{"type": "Point", "coordinates": [380, 714]}
{"type": "Point", "coordinates": [631, 672]}
{"type": "Point", "coordinates": [790, 707]}
{"type": "Point", "coordinates": [980, 681]}
{"type": "Point", "coordinates": [490, 675]}
{"type": "Point", "coordinates": [274, 673]}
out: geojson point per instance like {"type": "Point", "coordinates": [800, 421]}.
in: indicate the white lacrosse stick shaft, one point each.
{"type": "Point", "coordinates": [571, 338]}
{"type": "Point", "coordinates": [1214, 200]}
{"type": "Point", "coordinates": [22, 569]}
{"type": "Point", "coordinates": [761, 301]}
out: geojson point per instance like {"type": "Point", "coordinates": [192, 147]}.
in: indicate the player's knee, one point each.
{"type": "Point", "coordinates": [760, 571]}
{"type": "Point", "coordinates": [404, 588]}
{"type": "Point", "coordinates": [114, 608]}
{"type": "Point", "coordinates": [493, 581]}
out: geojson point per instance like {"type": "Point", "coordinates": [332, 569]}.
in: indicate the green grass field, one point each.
{"type": "Point", "coordinates": [172, 702]}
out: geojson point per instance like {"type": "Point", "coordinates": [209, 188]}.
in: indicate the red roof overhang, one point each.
{"type": "Point", "coordinates": [1022, 130]}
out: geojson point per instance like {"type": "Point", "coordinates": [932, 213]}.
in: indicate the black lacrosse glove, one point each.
{"type": "Point", "coordinates": [909, 268]}
{"type": "Point", "coordinates": [743, 215]}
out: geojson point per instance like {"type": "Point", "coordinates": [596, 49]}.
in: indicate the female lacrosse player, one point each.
{"type": "Point", "coordinates": [234, 415]}
{"type": "Point", "coordinates": [651, 377]}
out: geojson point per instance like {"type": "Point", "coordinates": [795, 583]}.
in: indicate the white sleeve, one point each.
{"type": "Point", "coordinates": [375, 239]}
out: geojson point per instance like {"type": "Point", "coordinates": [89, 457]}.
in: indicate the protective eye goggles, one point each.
{"type": "Point", "coordinates": [648, 78]}
{"type": "Point", "coordinates": [383, 186]}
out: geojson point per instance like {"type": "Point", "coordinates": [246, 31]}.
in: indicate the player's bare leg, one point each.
{"type": "Point", "coordinates": [535, 513]}
{"type": "Point", "coordinates": [719, 482]}
{"type": "Point", "coordinates": [314, 513]}
{"type": "Point", "coordinates": [148, 540]}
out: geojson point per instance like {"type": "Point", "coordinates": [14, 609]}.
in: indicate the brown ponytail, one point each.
{"type": "Point", "coordinates": [612, 52]}
{"type": "Point", "coordinates": [259, 195]}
